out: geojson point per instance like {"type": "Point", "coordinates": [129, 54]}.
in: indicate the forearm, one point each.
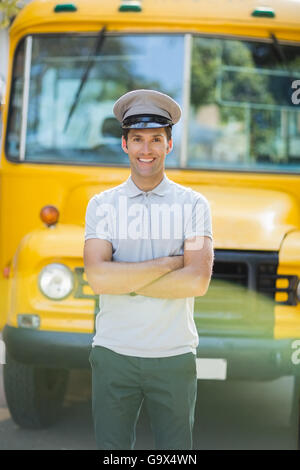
{"type": "Point", "coordinates": [176, 284]}
{"type": "Point", "coordinates": [122, 278]}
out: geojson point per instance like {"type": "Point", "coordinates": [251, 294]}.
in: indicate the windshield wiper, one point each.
{"type": "Point", "coordinates": [99, 44]}
{"type": "Point", "coordinates": [280, 52]}
{"type": "Point", "coordinates": [281, 55]}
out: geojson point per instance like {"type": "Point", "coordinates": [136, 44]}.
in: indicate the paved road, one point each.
{"type": "Point", "coordinates": [237, 415]}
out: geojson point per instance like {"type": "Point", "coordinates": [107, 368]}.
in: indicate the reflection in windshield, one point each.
{"type": "Point", "coordinates": [93, 134]}
{"type": "Point", "coordinates": [241, 114]}
{"type": "Point", "coordinates": [99, 44]}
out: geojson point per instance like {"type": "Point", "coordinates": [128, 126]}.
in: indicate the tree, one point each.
{"type": "Point", "coordinates": [8, 10]}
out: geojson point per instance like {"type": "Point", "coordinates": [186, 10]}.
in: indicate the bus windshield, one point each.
{"type": "Point", "coordinates": [239, 99]}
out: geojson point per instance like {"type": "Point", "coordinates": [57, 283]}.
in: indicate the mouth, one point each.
{"type": "Point", "coordinates": [146, 161]}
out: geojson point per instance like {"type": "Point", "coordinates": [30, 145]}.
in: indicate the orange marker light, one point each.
{"type": "Point", "coordinates": [49, 215]}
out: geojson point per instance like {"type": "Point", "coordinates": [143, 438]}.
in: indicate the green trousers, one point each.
{"type": "Point", "coordinates": [120, 385]}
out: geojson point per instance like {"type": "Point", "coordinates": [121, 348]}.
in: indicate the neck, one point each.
{"type": "Point", "coordinates": [147, 184]}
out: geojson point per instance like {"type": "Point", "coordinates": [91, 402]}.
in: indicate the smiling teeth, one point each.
{"type": "Point", "coordinates": [143, 160]}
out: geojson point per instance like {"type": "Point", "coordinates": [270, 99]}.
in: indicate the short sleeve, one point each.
{"type": "Point", "coordinates": [199, 222]}
{"type": "Point", "coordinates": [98, 221]}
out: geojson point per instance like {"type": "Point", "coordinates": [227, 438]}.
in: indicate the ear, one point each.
{"type": "Point", "coordinates": [124, 144]}
{"type": "Point", "coordinates": [170, 146]}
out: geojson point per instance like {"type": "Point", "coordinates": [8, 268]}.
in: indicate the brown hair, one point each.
{"type": "Point", "coordinates": [168, 129]}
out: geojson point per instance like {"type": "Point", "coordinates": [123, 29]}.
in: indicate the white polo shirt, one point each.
{"type": "Point", "coordinates": [143, 226]}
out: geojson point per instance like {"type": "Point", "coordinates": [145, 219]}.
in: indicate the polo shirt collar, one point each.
{"type": "Point", "coordinates": [161, 189]}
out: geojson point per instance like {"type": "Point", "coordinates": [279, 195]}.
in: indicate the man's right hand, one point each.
{"type": "Point", "coordinates": [175, 262]}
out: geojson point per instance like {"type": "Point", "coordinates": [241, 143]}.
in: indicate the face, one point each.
{"type": "Point", "coordinates": [147, 150]}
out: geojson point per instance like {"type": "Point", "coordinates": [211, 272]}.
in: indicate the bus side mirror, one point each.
{"type": "Point", "coordinates": [2, 102]}
{"type": "Point", "coordinates": [111, 128]}
{"type": "Point", "coordinates": [2, 94]}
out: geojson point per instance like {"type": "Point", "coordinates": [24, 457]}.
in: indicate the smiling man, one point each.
{"type": "Point", "coordinates": [148, 253]}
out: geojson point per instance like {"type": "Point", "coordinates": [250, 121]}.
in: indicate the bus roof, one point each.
{"type": "Point", "coordinates": [210, 16]}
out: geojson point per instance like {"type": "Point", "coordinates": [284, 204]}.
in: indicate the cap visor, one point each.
{"type": "Point", "coordinates": [145, 125]}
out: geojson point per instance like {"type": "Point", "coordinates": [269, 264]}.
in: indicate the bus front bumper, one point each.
{"type": "Point", "coordinates": [246, 358]}
{"type": "Point", "coordinates": [48, 348]}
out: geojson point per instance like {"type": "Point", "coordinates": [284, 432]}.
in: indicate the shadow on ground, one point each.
{"type": "Point", "coordinates": [229, 415]}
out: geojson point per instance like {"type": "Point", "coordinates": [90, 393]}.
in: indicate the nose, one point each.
{"type": "Point", "coordinates": [146, 148]}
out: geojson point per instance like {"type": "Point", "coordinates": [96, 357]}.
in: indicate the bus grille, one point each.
{"type": "Point", "coordinates": [241, 298]}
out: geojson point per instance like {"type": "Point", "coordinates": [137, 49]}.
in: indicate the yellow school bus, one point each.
{"type": "Point", "coordinates": [234, 66]}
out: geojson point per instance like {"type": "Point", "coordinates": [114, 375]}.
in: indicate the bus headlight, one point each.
{"type": "Point", "coordinates": [56, 281]}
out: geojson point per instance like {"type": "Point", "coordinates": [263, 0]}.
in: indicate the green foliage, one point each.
{"type": "Point", "coordinates": [8, 10]}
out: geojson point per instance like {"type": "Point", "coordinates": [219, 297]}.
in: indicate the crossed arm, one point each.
{"type": "Point", "coordinates": [168, 277]}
